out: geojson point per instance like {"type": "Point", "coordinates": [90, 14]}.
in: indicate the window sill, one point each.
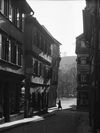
{"type": "Point", "coordinates": [9, 64]}
{"type": "Point", "coordinates": [11, 22]}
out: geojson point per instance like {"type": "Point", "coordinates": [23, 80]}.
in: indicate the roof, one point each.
{"type": "Point", "coordinates": [55, 41]}
{"type": "Point", "coordinates": [80, 36]}
{"type": "Point", "coordinates": [24, 6]}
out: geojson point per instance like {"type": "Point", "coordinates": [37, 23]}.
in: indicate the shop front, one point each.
{"type": "Point", "coordinates": [10, 92]}
{"type": "Point", "coordinates": [39, 98]}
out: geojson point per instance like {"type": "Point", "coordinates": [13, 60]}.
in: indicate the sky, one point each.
{"type": "Point", "coordinates": [63, 19]}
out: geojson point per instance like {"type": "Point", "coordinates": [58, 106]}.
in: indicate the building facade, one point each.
{"type": "Point", "coordinates": [55, 54]}
{"type": "Point", "coordinates": [38, 66]}
{"type": "Point", "coordinates": [29, 62]}
{"type": "Point", "coordinates": [12, 14]}
{"type": "Point", "coordinates": [91, 22]}
{"type": "Point", "coordinates": [83, 72]}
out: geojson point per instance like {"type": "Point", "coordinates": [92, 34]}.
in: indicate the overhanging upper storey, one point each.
{"type": "Point", "coordinates": [23, 6]}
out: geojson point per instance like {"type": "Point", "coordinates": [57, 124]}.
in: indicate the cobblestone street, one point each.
{"type": "Point", "coordinates": [67, 120]}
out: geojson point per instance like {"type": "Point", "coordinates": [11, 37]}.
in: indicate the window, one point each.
{"type": "Point", "coordinates": [6, 8]}
{"type": "Point", "coordinates": [40, 41]}
{"type": "Point", "coordinates": [44, 71]}
{"type": "Point", "coordinates": [10, 11]}
{"type": "Point", "coordinates": [0, 45]}
{"type": "Point", "coordinates": [13, 52]}
{"type": "Point", "coordinates": [23, 22]}
{"type": "Point", "coordinates": [5, 48]}
{"type": "Point", "coordinates": [20, 55]}
{"type": "Point", "coordinates": [35, 38]}
{"type": "Point", "coordinates": [39, 67]}
{"type": "Point", "coordinates": [2, 6]}
{"type": "Point", "coordinates": [83, 61]}
{"type": "Point", "coordinates": [10, 50]}
{"type": "Point", "coordinates": [18, 18]}
{"type": "Point", "coordinates": [83, 44]}
{"type": "Point", "coordinates": [84, 78]}
{"type": "Point", "coordinates": [36, 67]}
{"type": "Point", "coordinates": [45, 46]}
{"type": "Point", "coordinates": [49, 50]}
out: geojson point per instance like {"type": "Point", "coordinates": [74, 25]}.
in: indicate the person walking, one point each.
{"type": "Point", "coordinates": [59, 105]}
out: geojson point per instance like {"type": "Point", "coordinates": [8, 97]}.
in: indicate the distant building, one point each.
{"type": "Point", "coordinates": [83, 72]}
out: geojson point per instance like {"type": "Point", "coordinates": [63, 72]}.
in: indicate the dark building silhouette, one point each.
{"type": "Point", "coordinates": [91, 26]}
{"type": "Point", "coordinates": [83, 71]}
